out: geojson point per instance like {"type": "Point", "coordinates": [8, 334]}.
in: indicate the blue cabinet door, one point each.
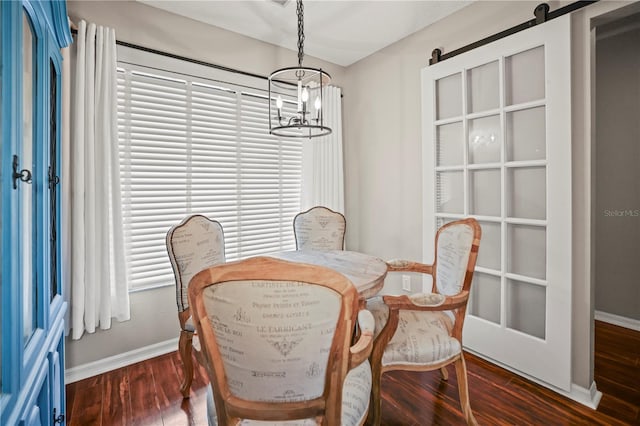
{"type": "Point", "coordinates": [32, 308]}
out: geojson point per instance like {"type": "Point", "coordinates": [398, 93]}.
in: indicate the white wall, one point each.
{"type": "Point", "coordinates": [617, 215]}
{"type": "Point", "coordinates": [154, 315]}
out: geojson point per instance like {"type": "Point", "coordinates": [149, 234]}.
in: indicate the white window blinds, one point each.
{"type": "Point", "coordinates": [191, 145]}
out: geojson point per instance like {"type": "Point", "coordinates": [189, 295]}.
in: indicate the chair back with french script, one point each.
{"type": "Point", "coordinates": [454, 242]}
{"type": "Point", "coordinates": [276, 336]}
{"type": "Point", "coordinates": [193, 245]}
{"type": "Point", "coordinates": [319, 228]}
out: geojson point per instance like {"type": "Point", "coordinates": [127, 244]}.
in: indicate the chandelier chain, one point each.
{"type": "Point", "coordinates": [300, 13]}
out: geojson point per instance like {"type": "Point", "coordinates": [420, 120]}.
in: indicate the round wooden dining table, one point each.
{"type": "Point", "coordinates": [366, 272]}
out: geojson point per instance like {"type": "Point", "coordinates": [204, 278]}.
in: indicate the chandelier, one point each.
{"type": "Point", "coordinates": [304, 118]}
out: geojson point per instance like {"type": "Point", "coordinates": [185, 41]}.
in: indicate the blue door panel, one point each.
{"type": "Point", "coordinates": [32, 370]}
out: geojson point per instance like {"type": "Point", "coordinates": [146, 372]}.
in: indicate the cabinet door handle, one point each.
{"type": "Point", "coordinates": [53, 179]}
{"type": "Point", "coordinates": [24, 175]}
{"type": "Point", "coordinates": [58, 419]}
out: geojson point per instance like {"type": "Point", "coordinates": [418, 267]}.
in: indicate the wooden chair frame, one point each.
{"type": "Point", "coordinates": [329, 211]}
{"type": "Point", "coordinates": [185, 342]}
{"type": "Point", "coordinates": [456, 303]}
{"type": "Point", "coordinates": [343, 356]}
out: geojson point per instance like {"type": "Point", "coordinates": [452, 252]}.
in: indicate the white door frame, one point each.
{"type": "Point", "coordinates": [584, 21]}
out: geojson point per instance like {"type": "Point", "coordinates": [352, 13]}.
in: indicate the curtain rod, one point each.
{"type": "Point", "coordinates": [74, 30]}
{"type": "Point", "coordinates": [542, 15]}
{"type": "Point", "coordinates": [183, 58]}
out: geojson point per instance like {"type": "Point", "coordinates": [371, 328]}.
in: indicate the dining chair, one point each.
{"type": "Point", "coordinates": [319, 228]}
{"type": "Point", "coordinates": [277, 343]}
{"type": "Point", "coordinates": [423, 332]}
{"type": "Point", "coordinates": [194, 244]}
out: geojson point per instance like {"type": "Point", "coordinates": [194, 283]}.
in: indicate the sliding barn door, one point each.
{"type": "Point", "coordinates": [497, 147]}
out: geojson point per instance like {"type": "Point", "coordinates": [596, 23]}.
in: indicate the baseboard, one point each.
{"type": "Point", "coordinates": [625, 322]}
{"type": "Point", "coordinates": [121, 360]}
{"type": "Point", "coordinates": [589, 397]}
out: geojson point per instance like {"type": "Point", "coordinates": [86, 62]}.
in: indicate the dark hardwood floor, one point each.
{"type": "Point", "coordinates": [148, 393]}
{"type": "Point", "coordinates": [617, 371]}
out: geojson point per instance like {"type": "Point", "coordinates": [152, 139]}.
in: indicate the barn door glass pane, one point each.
{"type": "Point", "coordinates": [525, 134]}
{"type": "Point", "coordinates": [527, 307]}
{"type": "Point", "coordinates": [449, 146]}
{"type": "Point", "coordinates": [527, 194]}
{"type": "Point", "coordinates": [483, 88]}
{"type": "Point", "coordinates": [485, 140]}
{"type": "Point", "coordinates": [527, 256]}
{"type": "Point", "coordinates": [524, 76]}
{"type": "Point", "coordinates": [485, 192]}
{"type": "Point", "coordinates": [449, 96]}
{"type": "Point", "coordinates": [489, 256]}
{"type": "Point", "coordinates": [450, 192]}
{"type": "Point", "coordinates": [485, 297]}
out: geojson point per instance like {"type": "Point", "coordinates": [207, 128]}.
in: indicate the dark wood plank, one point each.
{"type": "Point", "coordinates": [116, 407]}
{"type": "Point", "coordinates": [620, 409]}
{"type": "Point", "coordinates": [148, 393]}
{"type": "Point", "coordinates": [70, 397]}
{"type": "Point", "coordinates": [87, 403]}
{"type": "Point", "coordinates": [617, 372]}
{"type": "Point", "coordinates": [145, 409]}
{"type": "Point", "coordinates": [408, 404]}
{"type": "Point", "coordinates": [170, 400]}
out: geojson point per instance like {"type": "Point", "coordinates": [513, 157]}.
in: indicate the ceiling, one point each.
{"type": "Point", "coordinates": [338, 31]}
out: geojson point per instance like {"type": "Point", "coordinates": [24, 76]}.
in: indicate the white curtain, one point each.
{"type": "Point", "coordinates": [322, 165]}
{"type": "Point", "coordinates": [93, 263]}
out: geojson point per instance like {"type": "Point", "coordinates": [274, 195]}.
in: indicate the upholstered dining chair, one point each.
{"type": "Point", "coordinates": [277, 341]}
{"type": "Point", "coordinates": [423, 332]}
{"type": "Point", "coordinates": [319, 228]}
{"type": "Point", "coordinates": [193, 245]}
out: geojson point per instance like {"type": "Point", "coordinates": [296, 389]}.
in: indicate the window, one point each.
{"type": "Point", "coordinates": [195, 145]}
